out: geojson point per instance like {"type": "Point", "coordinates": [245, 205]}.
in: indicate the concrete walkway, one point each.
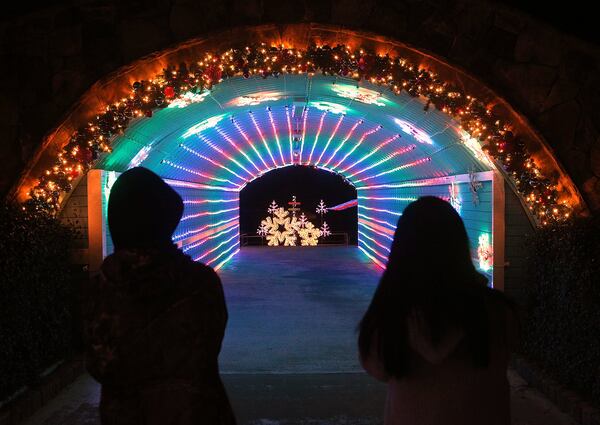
{"type": "Point", "coordinates": [289, 354]}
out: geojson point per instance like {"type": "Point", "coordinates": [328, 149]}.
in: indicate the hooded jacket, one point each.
{"type": "Point", "coordinates": [154, 319]}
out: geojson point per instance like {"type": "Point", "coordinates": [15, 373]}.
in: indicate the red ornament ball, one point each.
{"type": "Point", "coordinates": [169, 92]}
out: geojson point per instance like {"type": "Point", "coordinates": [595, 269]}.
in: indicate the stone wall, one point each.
{"type": "Point", "coordinates": [52, 56]}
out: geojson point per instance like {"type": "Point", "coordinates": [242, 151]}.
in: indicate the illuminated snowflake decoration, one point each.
{"type": "Point", "coordinates": [309, 235]}
{"type": "Point", "coordinates": [360, 94]}
{"type": "Point", "coordinates": [263, 230]}
{"type": "Point", "coordinates": [485, 253]}
{"type": "Point", "coordinates": [273, 207]}
{"type": "Point", "coordinates": [321, 208]}
{"type": "Point", "coordinates": [325, 231]}
{"type": "Point", "coordinates": [302, 221]}
{"type": "Point", "coordinates": [282, 228]}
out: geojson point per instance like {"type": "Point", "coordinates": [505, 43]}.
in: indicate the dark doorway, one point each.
{"type": "Point", "coordinates": [309, 185]}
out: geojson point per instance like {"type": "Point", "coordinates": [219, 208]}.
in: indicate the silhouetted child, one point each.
{"type": "Point", "coordinates": [154, 318]}
{"type": "Point", "coordinates": [435, 332]}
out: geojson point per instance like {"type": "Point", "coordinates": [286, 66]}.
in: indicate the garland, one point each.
{"type": "Point", "coordinates": [497, 140]}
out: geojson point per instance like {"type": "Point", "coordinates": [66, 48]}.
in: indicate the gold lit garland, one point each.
{"type": "Point", "coordinates": [175, 84]}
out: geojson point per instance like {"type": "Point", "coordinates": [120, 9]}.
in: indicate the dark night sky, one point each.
{"type": "Point", "coordinates": [310, 185]}
{"type": "Point", "coordinates": [575, 18]}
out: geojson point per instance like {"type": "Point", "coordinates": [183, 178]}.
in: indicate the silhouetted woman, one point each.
{"type": "Point", "coordinates": [154, 318]}
{"type": "Point", "coordinates": [434, 331]}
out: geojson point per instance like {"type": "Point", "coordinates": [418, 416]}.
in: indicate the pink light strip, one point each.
{"type": "Point", "coordinates": [207, 226]}
{"type": "Point", "coordinates": [213, 236]}
{"type": "Point", "coordinates": [232, 143]}
{"type": "Point", "coordinates": [222, 263]}
{"type": "Point", "coordinates": [316, 137]}
{"type": "Point", "coordinates": [385, 248]}
{"type": "Point", "coordinates": [304, 119]}
{"type": "Point", "coordinates": [207, 213]}
{"type": "Point", "coordinates": [275, 135]}
{"type": "Point", "coordinates": [375, 231]}
{"type": "Point", "coordinates": [330, 138]}
{"type": "Point", "coordinates": [208, 201]}
{"type": "Point", "coordinates": [380, 146]}
{"type": "Point", "coordinates": [210, 251]}
{"type": "Point", "coordinates": [362, 138]}
{"type": "Point", "coordinates": [198, 173]}
{"type": "Point", "coordinates": [397, 214]}
{"type": "Point", "coordinates": [373, 250]}
{"type": "Point", "coordinates": [262, 137]}
{"type": "Point", "coordinates": [401, 167]}
{"type": "Point", "coordinates": [359, 122]}
{"type": "Point", "coordinates": [212, 161]}
{"type": "Point", "coordinates": [222, 253]}
{"type": "Point", "coordinates": [370, 221]}
{"type": "Point", "coordinates": [201, 235]}
{"type": "Point", "coordinates": [247, 139]}
{"type": "Point", "coordinates": [373, 259]}
{"type": "Point", "coordinates": [289, 123]}
{"type": "Point", "coordinates": [226, 155]}
{"type": "Point", "coordinates": [386, 159]}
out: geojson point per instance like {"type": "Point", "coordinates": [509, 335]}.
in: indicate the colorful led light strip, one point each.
{"type": "Point", "coordinates": [208, 201]}
{"type": "Point", "coordinates": [356, 124]}
{"type": "Point", "coordinates": [316, 138]}
{"type": "Point", "coordinates": [391, 227]}
{"type": "Point", "coordinates": [207, 226]}
{"type": "Point", "coordinates": [212, 161]}
{"type": "Point", "coordinates": [373, 259]}
{"type": "Point", "coordinates": [210, 251]}
{"type": "Point", "coordinates": [275, 134]}
{"type": "Point", "coordinates": [333, 133]}
{"type": "Point", "coordinates": [208, 238]}
{"type": "Point", "coordinates": [222, 263]}
{"type": "Point", "coordinates": [226, 155]}
{"type": "Point", "coordinates": [375, 231]}
{"type": "Point", "coordinates": [262, 137]}
{"type": "Point", "coordinates": [206, 213]}
{"type": "Point", "coordinates": [385, 248]}
{"type": "Point", "coordinates": [289, 123]}
{"type": "Point", "coordinates": [381, 161]}
{"type": "Point", "coordinates": [373, 250]}
{"type": "Point", "coordinates": [198, 173]}
{"type": "Point", "coordinates": [232, 143]}
{"type": "Point", "coordinates": [235, 245]}
{"type": "Point", "coordinates": [247, 139]}
{"type": "Point", "coordinates": [389, 198]}
{"type": "Point", "coordinates": [393, 170]}
{"type": "Point", "coordinates": [304, 119]}
{"type": "Point", "coordinates": [362, 138]}
{"type": "Point", "coordinates": [373, 152]}
{"type": "Point", "coordinates": [397, 214]}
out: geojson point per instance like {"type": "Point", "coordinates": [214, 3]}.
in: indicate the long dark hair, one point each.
{"type": "Point", "coordinates": [429, 270]}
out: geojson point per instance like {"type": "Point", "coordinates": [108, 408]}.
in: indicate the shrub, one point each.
{"type": "Point", "coordinates": [36, 296]}
{"type": "Point", "coordinates": [562, 326]}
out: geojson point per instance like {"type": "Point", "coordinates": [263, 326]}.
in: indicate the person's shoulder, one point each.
{"type": "Point", "coordinates": [201, 276]}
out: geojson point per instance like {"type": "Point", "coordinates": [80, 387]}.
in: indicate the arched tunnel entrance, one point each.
{"type": "Point", "coordinates": [315, 192]}
{"type": "Point", "coordinates": [384, 144]}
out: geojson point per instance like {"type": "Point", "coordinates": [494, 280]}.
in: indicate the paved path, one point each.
{"type": "Point", "coordinates": [289, 354]}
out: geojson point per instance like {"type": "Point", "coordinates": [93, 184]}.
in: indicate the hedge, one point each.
{"type": "Point", "coordinates": [36, 296]}
{"type": "Point", "coordinates": [562, 324]}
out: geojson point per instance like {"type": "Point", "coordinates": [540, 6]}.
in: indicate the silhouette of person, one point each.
{"type": "Point", "coordinates": [434, 331]}
{"type": "Point", "coordinates": [154, 319]}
